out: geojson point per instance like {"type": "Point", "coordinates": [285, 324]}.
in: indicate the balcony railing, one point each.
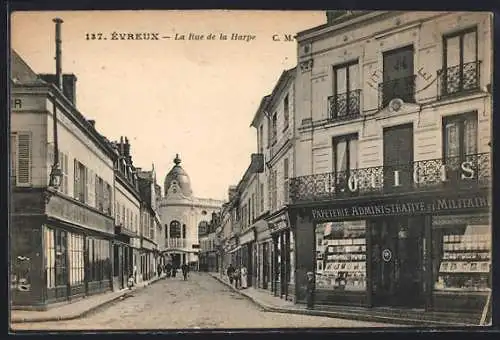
{"type": "Point", "coordinates": [451, 173]}
{"type": "Point", "coordinates": [402, 88]}
{"type": "Point", "coordinates": [175, 243]}
{"type": "Point", "coordinates": [345, 105]}
{"type": "Point", "coordinates": [458, 79]}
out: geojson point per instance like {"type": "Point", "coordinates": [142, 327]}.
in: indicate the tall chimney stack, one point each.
{"type": "Point", "coordinates": [59, 76]}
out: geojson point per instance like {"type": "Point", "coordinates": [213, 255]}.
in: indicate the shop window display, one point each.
{"type": "Point", "coordinates": [341, 257]}
{"type": "Point", "coordinates": [462, 260]}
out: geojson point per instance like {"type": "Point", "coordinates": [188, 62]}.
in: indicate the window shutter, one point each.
{"type": "Point", "coordinates": [76, 183]}
{"type": "Point", "coordinates": [66, 171]}
{"type": "Point", "coordinates": [24, 159]}
{"type": "Point", "coordinates": [13, 158]}
{"type": "Point", "coordinates": [87, 178]}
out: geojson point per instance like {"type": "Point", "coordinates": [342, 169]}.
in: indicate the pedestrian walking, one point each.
{"type": "Point", "coordinates": [310, 290]}
{"type": "Point", "coordinates": [168, 269]}
{"type": "Point", "coordinates": [230, 273]}
{"type": "Point", "coordinates": [174, 270]}
{"type": "Point", "coordinates": [158, 269]}
{"type": "Point", "coordinates": [237, 278]}
{"type": "Point", "coordinates": [185, 270]}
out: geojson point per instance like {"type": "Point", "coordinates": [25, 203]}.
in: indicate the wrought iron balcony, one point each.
{"type": "Point", "coordinates": [458, 79]}
{"type": "Point", "coordinates": [344, 105]}
{"type": "Point", "coordinates": [436, 174]}
{"type": "Point", "coordinates": [175, 243]}
{"type": "Point", "coordinates": [402, 88]}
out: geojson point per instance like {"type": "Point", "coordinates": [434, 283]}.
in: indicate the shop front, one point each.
{"type": "Point", "coordinates": [264, 247]}
{"type": "Point", "coordinates": [282, 255]}
{"type": "Point", "coordinates": [373, 251]}
{"type": "Point", "coordinates": [123, 257]}
{"type": "Point", "coordinates": [60, 255]}
{"type": "Point", "coordinates": [247, 241]}
{"type": "Point", "coordinates": [148, 261]}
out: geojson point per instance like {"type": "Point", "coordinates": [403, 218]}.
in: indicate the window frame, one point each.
{"type": "Point", "coordinates": [460, 33]}
{"type": "Point", "coordinates": [460, 118]}
{"type": "Point", "coordinates": [343, 138]}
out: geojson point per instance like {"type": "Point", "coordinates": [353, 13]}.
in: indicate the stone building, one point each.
{"type": "Point", "coordinates": [392, 169]}
{"type": "Point", "coordinates": [61, 219]}
{"type": "Point", "coordinates": [181, 213]}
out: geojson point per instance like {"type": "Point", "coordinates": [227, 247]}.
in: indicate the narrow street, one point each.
{"type": "Point", "coordinates": [200, 302]}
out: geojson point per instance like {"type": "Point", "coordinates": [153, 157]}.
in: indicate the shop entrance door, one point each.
{"type": "Point", "coordinates": [397, 262]}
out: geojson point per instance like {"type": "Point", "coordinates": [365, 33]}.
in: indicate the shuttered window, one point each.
{"type": "Point", "coordinates": [23, 169]}
{"type": "Point", "coordinates": [13, 158]}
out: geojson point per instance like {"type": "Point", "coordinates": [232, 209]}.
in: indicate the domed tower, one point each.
{"type": "Point", "coordinates": [177, 180]}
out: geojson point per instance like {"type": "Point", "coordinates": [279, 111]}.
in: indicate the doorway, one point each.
{"type": "Point", "coordinates": [397, 262]}
{"type": "Point", "coordinates": [398, 158]}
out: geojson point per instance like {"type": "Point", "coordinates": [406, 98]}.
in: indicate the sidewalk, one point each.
{"type": "Point", "coordinates": [270, 303]}
{"type": "Point", "coordinates": [77, 309]}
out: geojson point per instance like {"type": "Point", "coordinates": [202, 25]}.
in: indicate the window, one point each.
{"type": "Point", "coordinates": [274, 200]}
{"type": "Point", "coordinates": [261, 139]}
{"type": "Point", "coordinates": [76, 263]}
{"type": "Point", "coordinates": [13, 158]}
{"type": "Point", "coordinates": [175, 229]}
{"type": "Point", "coordinates": [99, 193]}
{"type": "Point", "coordinates": [345, 100]}
{"type": "Point", "coordinates": [250, 212]}
{"type": "Point", "coordinates": [345, 157]}
{"type": "Point", "coordinates": [22, 255]}
{"type": "Point", "coordinates": [285, 180]}
{"type": "Point", "coordinates": [460, 64]}
{"type": "Point", "coordinates": [341, 241]}
{"type": "Point", "coordinates": [262, 197]}
{"type": "Point", "coordinates": [183, 231]}
{"type": "Point", "coordinates": [459, 140]}
{"type": "Point", "coordinates": [63, 165]}
{"type": "Point", "coordinates": [253, 207]}
{"type": "Point", "coordinates": [80, 186]}
{"type": "Point", "coordinates": [99, 254]}
{"type": "Point", "coordinates": [61, 265]}
{"type": "Point", "coordinates": [461, 251]}
{"type": "Point", "coordinates": [274, 131]}
{"type": "Point", "coordinates": [50, 258]}
{"type": "Point", "coordinates": [286, 111]}
{"type": "Point", "coordinates": [398, 76]}
{"type": "Point", "coordinates": [21, 158]}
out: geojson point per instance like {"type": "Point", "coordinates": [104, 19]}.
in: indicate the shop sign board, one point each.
{"type": "Point", "coordinates": [74, 213]}
{"type": "Point", "coordinates": [400, 207]}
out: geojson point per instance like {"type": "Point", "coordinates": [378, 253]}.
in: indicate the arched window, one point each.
{"type": "Point", "coordinates": [175, 229]}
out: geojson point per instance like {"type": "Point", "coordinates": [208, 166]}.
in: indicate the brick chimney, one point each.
{"type": "Point", "coordinates": [231, 192]}
{"type": "Point", "coordinates": [68, 85]}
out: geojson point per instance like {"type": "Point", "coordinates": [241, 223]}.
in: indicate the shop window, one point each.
{"type": "Point", "coordinates": [50, 259]}
{"type": "Point", "coordinates": [99, 259]}
{"type": "Point", "coordinates": [61, 263]}
{"type": "Point", "coordinates": [341, 262]}
{"type": "Point", "coordinates": [462, 253]}
{"type": "Point", "coordinates": [76, 263]}
{"type": "Point", "coordinates": [21, 248]}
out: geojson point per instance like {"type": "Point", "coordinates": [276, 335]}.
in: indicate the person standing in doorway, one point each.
{"type": "Point", "coordinates": [244, 277]}
{"type": "Point", "coordinates": [310, 290]}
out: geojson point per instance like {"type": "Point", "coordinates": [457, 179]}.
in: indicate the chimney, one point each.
{"type": "Point", "coordinates": [121, 146]}
{"type": "Point", "coordinates": [231, 192]}
{"type": "Point", "coordinates": [92, 122]}
{"type": "Point", "coordinates": [127, 148]}
{"type": "Point", "coordinates": [59, 82]}
{"type": "Point", "coordinates": [69, 87]}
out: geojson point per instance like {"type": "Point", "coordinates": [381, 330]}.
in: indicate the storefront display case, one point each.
{"type": "Point", "coordinates": [462, 265]}
{"type": "Point", "coordinates": [341, 263]}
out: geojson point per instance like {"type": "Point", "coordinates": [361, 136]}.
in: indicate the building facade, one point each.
{"type": "Point", "coordinates": [152, 232]}
{"type": "Point", "coordinates": [60, 240]}
{"type": "Point", "coordinates": [127, 216]}
{"type": "Point", "coordinates": [208, 250]}
{"type": "Point", "coordinates": [180, 214]}
{"type": "Point", "coordinates": [392, 169]}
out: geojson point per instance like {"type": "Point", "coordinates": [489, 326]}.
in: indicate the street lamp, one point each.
{"type": "Point", "coordinates": [56, 172]}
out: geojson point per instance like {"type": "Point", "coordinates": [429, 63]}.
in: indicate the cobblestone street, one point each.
{"type": "Point", "coordinates": [200, 302]}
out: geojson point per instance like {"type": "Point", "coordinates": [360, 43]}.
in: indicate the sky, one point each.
{"type": "Point", "coordinates": [196, 98]}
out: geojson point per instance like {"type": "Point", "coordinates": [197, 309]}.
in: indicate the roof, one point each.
{"type": "Point", "coordinates": [268, 100]}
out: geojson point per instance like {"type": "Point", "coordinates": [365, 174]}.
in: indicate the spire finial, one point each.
{"type": "Point", "coordinates": [177, 160]}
